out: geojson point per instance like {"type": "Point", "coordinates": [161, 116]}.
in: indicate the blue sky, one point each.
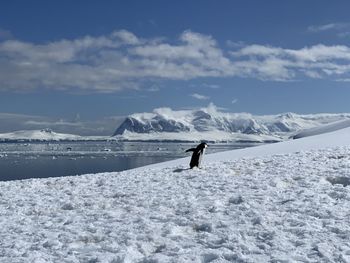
{"type": "Point", "coordinates": [112, 58]}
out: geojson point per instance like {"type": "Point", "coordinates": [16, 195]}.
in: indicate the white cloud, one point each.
{"type": "Point", "coordinates": [199, 96]}
{"type": "Point", "coordinates": [318, 61]}
{"type": "Point", "coordinates": [234, 101]}
{"type": "Point", "coordinates": [126, 37]}
{"type": "Point", "coordinates": [341, 30]}
{"type": "Point", "coordinates": [108, 63]}
{"type": "Point", "coordinates": [122, 60]}
{"type": "Point", "coordinates": [328, 27]}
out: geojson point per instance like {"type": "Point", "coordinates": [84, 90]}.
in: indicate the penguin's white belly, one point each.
{"type": "Point", "coordinates": [201, 154]}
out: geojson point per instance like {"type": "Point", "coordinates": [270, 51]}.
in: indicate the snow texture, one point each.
{"type": "Point", "coordinates": [284, 202]}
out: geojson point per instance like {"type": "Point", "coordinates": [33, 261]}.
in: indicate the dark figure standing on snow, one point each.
{"type": "Point", "coordinates": [197, 155]}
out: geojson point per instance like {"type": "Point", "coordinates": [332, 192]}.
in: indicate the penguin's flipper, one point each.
{"type": "Point", "coordinates": [190, 150]}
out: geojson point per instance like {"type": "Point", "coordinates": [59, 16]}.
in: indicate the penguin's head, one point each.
{"type": "Point", "coordinates": [203, 145]}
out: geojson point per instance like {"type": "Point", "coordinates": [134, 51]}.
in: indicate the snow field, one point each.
{"type": "Point", "coordinates": [292, 207]}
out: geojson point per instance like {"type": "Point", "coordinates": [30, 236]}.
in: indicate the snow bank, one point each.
{"type": "Point", "coordinates": [323, 129]}
{"type": "Point", "coordinates": [285, 202]}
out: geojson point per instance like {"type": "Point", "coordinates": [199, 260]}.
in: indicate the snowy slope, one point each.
{"type": "Point", "coordinates": [44, 135]}
{"type": "Point", "coordinates": [284, 202]}
{"type": "Point", "coordinates": [332, 139]}
{"type": "Point", "coordinates": [211, 124]}
{"type": "Point", "coordinates": [322, 129]}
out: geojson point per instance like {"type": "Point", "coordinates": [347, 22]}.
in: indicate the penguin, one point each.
{"type": "Point", "coordinates": [197, 154]}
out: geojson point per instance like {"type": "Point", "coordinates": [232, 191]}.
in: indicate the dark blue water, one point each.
{"type": "Point", "coordinates": [41, 160]}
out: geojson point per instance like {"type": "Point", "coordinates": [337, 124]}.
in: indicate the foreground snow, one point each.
{"type": "Point", "coordinates": [272, 203]}
{"type": "Point", "coordinates": [277, 208]}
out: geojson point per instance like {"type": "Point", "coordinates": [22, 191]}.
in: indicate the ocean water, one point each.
{"type": "Point", "coordinates": [54, 159]}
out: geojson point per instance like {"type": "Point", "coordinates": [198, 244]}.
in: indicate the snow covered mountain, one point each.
{"type": "Point", "coordinates": [43, 135]}
{"type": "Point", "coordinates": [211, 124]}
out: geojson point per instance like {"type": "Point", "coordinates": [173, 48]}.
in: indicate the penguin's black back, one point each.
{"type": "Point", "coordinates": [197, 154]}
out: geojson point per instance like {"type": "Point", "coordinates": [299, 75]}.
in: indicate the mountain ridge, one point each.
{"type": "Point", "coordinates": [209, 120]}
